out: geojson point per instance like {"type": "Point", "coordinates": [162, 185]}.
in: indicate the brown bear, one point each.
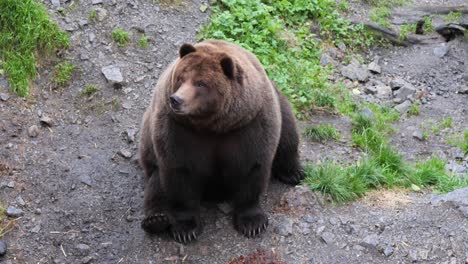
{"type": "Point", "coordinates": [216, 129]}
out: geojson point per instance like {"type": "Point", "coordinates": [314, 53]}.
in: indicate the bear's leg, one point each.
{"type": "Point", "coordinates": [155, 220]}
{"type": "Point", "coordinates": [249, 218]}
{"type": "Point", "coordinates": [183, 206]}
{"type": "Point", "coordinates": [286, 165]}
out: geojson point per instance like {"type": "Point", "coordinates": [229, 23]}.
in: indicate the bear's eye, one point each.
{"type": "Point", "coordinates": [200, 84]}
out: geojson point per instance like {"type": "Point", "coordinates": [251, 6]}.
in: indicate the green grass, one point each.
{"type": "Point", "coordinates": [92, 15]}
{"type": "Point", "coordinates": [143, 42]}
{"type": "Point", "coordinates": [321, 133]}
{"type": "Point", "coordinates": [428, 27]}
{"type": "Point", "coordinates": [380, 16]}
{"type": "Point", "coordinates": [121, 37]}
{"type": "Point", "coordinates": [89, 89]}
{"type": "Point", "coordinates": [279, 34]}
{"type": "Point", "coordinates": [386, 3]}
{"type": "Point", "coordinates": [453, 17]}
{"type": "Point", "coordinates": [63, 73]}
{"type": "Point", "coordinates": [415, 109]}
{"type": "Point", "coordinates": [405, 30]}
{"type": "Point", "coordinates": [26, 35]}
{"type": "Point", "coordinates": [460, 141]}
{"type": "Point", "coordinates": [447, 122]}
{"type": "Point", "coordinates": [343, 6]}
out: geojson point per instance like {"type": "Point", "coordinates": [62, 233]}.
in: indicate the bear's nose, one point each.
{"type": "Point", "coordinates": [176, 101]}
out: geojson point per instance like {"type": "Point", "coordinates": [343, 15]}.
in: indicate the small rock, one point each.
{"type": "Point", "coordinates": [441, 51]}
{"type": "Point", "coordinates": [358, 248]}
{"type": "Point", "coordinates": [113, 75]}
{"type": "Point", "coordinates": [370, 90]}
{"type": "Point", "coordinates": [225, 208]}
{"type": "Point", "coordinates": [374, 67]}
{"type": "Point", "coordinates": [14, 212]}
{"type": "Point", "coordinates": [327, 237]}
{"type": "Point", "coordinates": [86, 179]}
{"type": "Point", "coordinates": [356, 92]}
{"type": "Point", "coordinates": [370, 241]}
{"type": "Point", "coordinates": [383, 91]}
{"type": "Point", "coordinates": [403, 107]}
{"type": "Point", "coordinates": [125, 153]}
{"type": "Point", "coordinates": [424, 254]}
{"type": "Point", "coordinates": [36, 229]}
{"type": "Point", "coordinates": [87, 259]}
{"type": "Point", "coordinates": [82, 22]}
{"type": "Point", "coordinates": [459, 198]}
{"type": "Point", "coordinates": [91, 37]}
{"type": "Point", "coordinates": [33, 131]}
{"type": "Point", "coordinates": [20, 200]}
{"type": "Point", "coordinates": [55, 3]}
{"type": "Point", "coordinates": [342, 47]}
{"type": "Point", "coordinates": [405, 92]}
{"type": "Point", "coordinates": [3, 248]}
{"type": "Point", "coordinates": [418, 134]}
{"type": "Point", "coordinates": [45, 120]}
{"type": "Point", "coordinates": [83, 249]}
{"type": "Point", "coordinates": [413, 255]}
{"type": "Point", "coordinates": [101, 13]}
{"type": "Point", "coordinates": [4, 97]}
{"type": "Point", "coordinates": [84, 56]}
{"type": "Point", "coordinates": [367, 113]}
{"type": "Point", "coordinates": [388, 251]}
{"type": "Point", "coordinates": [397, 83]}
{"type": "Point", "coordinates": [300, 197]}
{"type": "Point", "coordinates": [10, 184]}
{"type": "Point", "coordinates": [284, 226]}
{"type": "Point", "coordinates": [97, 2]}
{"type": "Point", "coordinates": [131, 135]}
{"type": "Point", "coordinates": [309, 219]}
{"type": "Point", "coordinates": [304, 228]}
{"type": "Point", "coordinates": [325, 59]}
{"type": "Point", "coordinates": [355, 71]}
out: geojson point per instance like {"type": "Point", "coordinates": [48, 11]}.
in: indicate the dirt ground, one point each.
{"type": "Point", "coordinates": [80, 188]}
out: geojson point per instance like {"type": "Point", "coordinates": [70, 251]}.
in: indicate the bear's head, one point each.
{"type": "Point", "coordinates": [202, 81]}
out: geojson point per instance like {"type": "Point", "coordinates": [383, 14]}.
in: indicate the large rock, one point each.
{"type": "Point", "coordinates": [355, 71]}
{"type": "Point", "coordinates": [113, 75]}
{"type": "Point", "coordinates": [374, 66]}
{"type": "Point", "coordinates": [403, 107]}
{"type": "Point", "coordinates": [405, 91]}
{"type": "Point", "coordinates": [459, 198]}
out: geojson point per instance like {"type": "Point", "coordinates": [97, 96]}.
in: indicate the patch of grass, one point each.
{"type": "Point", "coordinates": [26, 34]}
{"type": "Point", "coordinates": [63, 73]}
{"type": "Point", "coordinates": [92, 17]}
{"type": "Point", "coordinates": [453, 17]}
{"type": "Point", "coordinates": [143, 42]}
{"type": "Point", "coordinates": [343, 6]}
{"type": "Point", "coordinates": [279, 34]}
{"type": "Point", "coordinates": [89, 89]}
{"type": "Point", "coordinates": [386, 3]}
{"type": "Point", "coordinates": [321, 132]}
{"type": "Point", "coordinates": [447, 122]}
{"type": "Point", "coordinates": [428, 27]}
{"type": "Point", "coordinates": [380, 16]}
{"type": "Point", "coordinates": [460, 141]}
{"type": "Point", "coordinates": [405, 30]}
{"type": "Point", "coordinates": [415, 109]}
{"type": "Point", "coordinates": [121, 37]}
{"type": "Point", "coordinates": [433, 173]}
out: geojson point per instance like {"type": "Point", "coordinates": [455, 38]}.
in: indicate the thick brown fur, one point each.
{"type": "Point", "coordinates": [216, 128]}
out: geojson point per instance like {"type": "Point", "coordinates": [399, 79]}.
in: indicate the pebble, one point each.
{"type": "Point", "coordinates": [284, 226]}
{"type": "Point", "coordinates": [418, 134]}
{"type": "Point", "coordinates": [113, 75]}
{"type": "Point", "coordinates": [45, 120]}
{"type": "Point", "coordinates": [370, 241]}
{"type": "Point", "coordinates": [87, 259]}
{"type": "Point", "coordinates": [55, 3]}
{"type": "Point", "coordinates": [101, 13]}
{"type": "Point", "coordinates": [125, 153]}
{"type": "Point", "coordinates": [4, 97]}
{"type": "Point", "coordinates": [83, 249]}
{"type": "Point", "coordinates": [36, 229]}
{"type": "Point", "coordinates": [403, 107]}
{"type": "Point", "coordinates": [86, 179]}
{"type": "Point", "coordinates": [131, 135]}
{"type": "Point", "coordinates": [14, 212]}
{"type": "Point", "coordinates": [327, 237]}
{"type": "Point", "coordinates": [441, 51]}
{"type": "Point", "coordinates": [374, 67]}
{"type": "Point", "coordinates": [3, 248]}
{"type": "Point", "coordinates": [388, 251]}
{"type": "Point", "coordinates": [33, 131]}
{"type": "Point", "coordinates": [20, 200]}
{"type": "Point", "coordinates": [355, 71]}
{"type": "Point", "coordinates": [367, 113]}
{"type": "Point", "coordinates": [97, 2]}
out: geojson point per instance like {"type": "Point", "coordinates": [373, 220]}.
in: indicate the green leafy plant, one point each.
{"type": "Point", "coordinates": [321, 132]}
{"type": "Point", "coordinates": [405, 30]}
{"type": "Point", "coordinates": [63, 73]}
{"type": "Point", "coordinates": [89, 89]}
{"type": "Point", "coordinates": [415, 109]}
{"type": "Point", "coordinates": [26, 33]}
{"type": "Point", "coordinates": [453, 17]}
{"type": "Point", "coordinates": [143, 42]}
{"type": "Point", "coordinates": [121, 37]}
{"type": "Point", "coordinates": [428, 27]}
{"type": "Point", "coordinates": [380, 16]}
{"type": "Point", "coordinates": [92, 15]}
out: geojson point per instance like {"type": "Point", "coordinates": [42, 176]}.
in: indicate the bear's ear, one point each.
{"type": "Point", "coordinates": [228, 67]}
{"type": "Point", "coordinates": [186, 49]}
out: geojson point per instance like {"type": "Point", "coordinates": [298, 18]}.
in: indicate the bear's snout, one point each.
{"type": "Point", "coordinates": [176, 102]}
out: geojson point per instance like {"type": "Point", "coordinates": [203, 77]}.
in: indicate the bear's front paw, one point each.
{"type": "Point", "coordinates": [291, 178]}
{"type": "Point", "coordinates": [251, 224]}
{"type": "Point", "coordinates": [155, 223]}
{"type": "Point", "coordinates": [186, 231]}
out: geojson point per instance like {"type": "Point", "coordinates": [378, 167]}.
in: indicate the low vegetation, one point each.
{"type": "Point", "coordinates": [321, 132]}
{"type": "Point", "coordinates": [92, 15]}
{"type": "Point", "coordinates": [405, 30]}
{"type": "Point", "coordinates": [121, 37]}
{"type": "Point", "coordinates": [380, 16]}
{"type": "Point", "coordinates": [143, 42]}
{"type": "Point", "coordinates": [63, 73]}
{"type": "Point", "coordinates": [415, 109]}
{"type": "Point", "coordinates": [89, 89]}
{"type": "Point", "coordinates": [453, 17]}
{"type": "Point", "coordinates": [26, 35]}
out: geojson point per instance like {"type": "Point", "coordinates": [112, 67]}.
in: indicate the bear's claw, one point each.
{"type": "Point", "coordinates": [251, 226]}
{"type": "Point", "coordinates": [155, 223]}
{"type": "Point", "coordinates": [292, 178]}
{"type": "Point", "coordinates": [185, 238]}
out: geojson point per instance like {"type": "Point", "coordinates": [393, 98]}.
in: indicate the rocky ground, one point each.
{"type": "Point", "coordinates": [68, 170]}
